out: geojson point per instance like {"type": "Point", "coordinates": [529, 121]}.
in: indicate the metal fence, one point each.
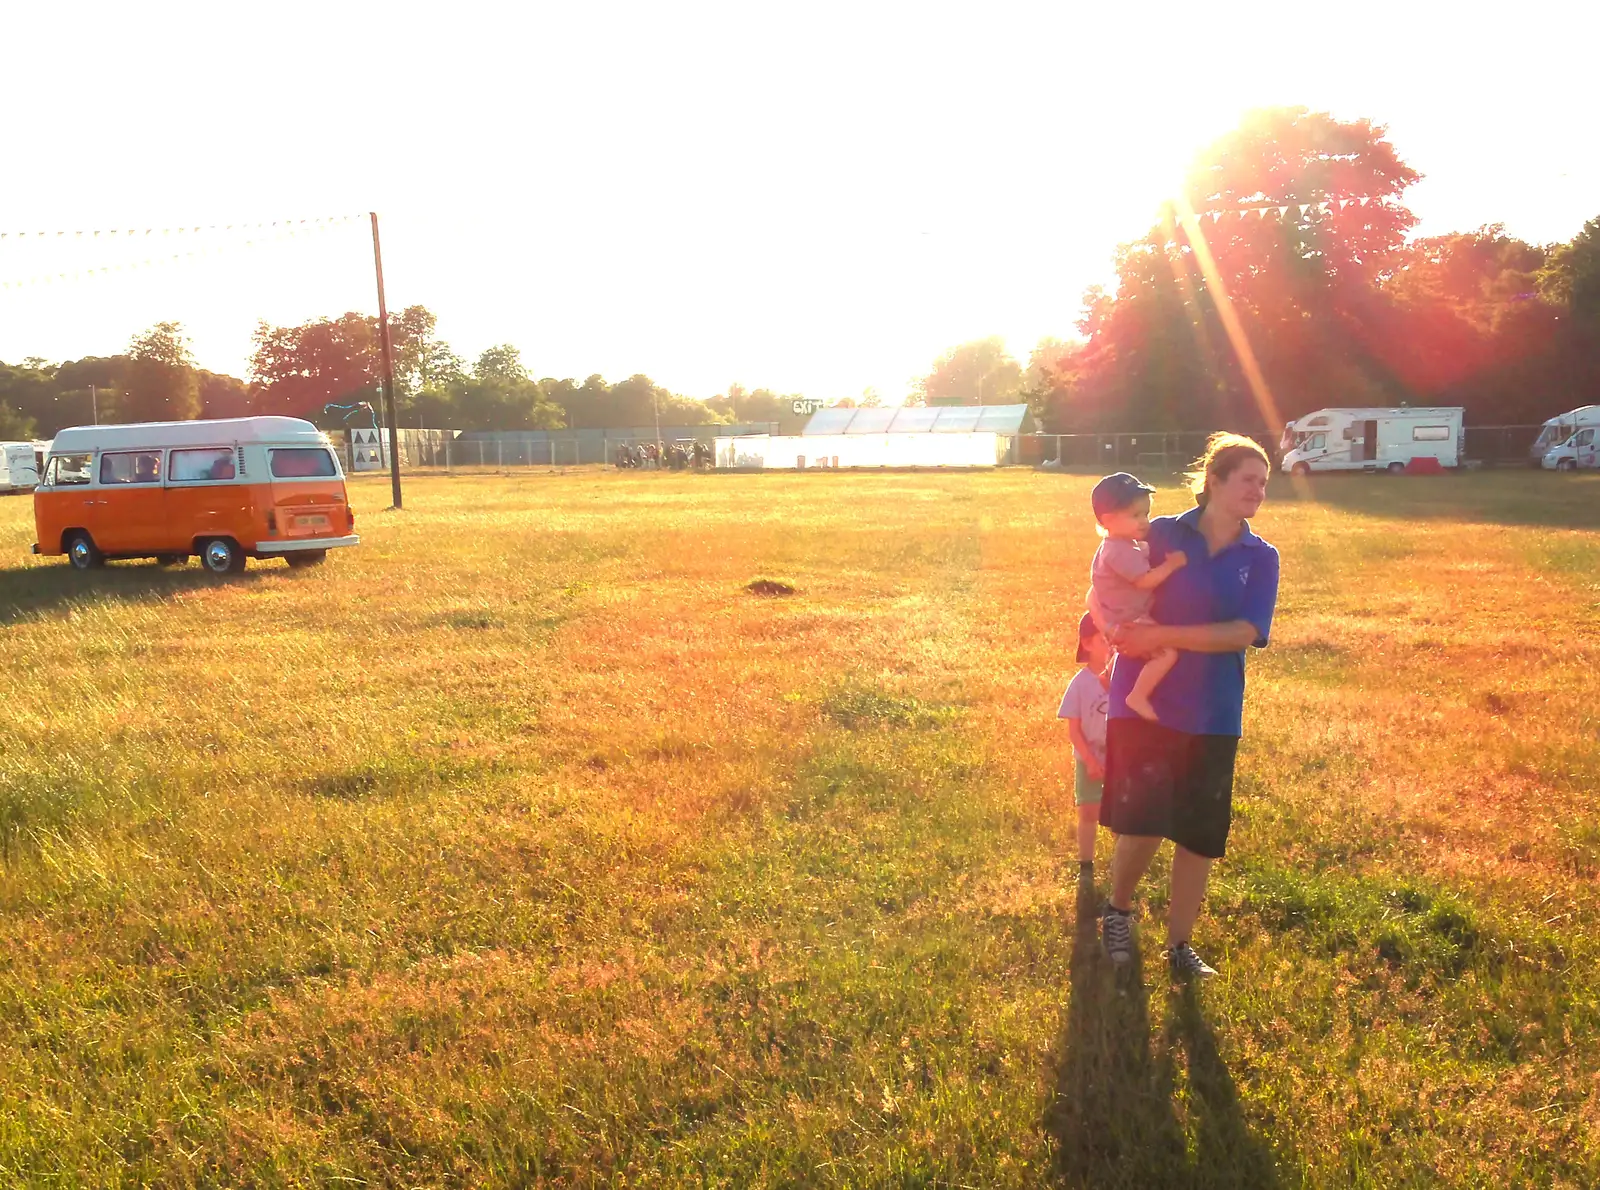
{"type": "Point", "coordinates": [1112, 452]}
{"type": "Point", "coordinates": [1169, 451]}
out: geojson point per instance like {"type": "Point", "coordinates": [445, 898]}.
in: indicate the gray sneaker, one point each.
{"type": "Point", "coordinates": [1188, 965]}
{"type": "Point", "coordinates": [1116, 934]}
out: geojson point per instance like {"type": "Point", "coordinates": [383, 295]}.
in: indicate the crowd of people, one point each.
{"type": "Point", "coordinates": [676, 456]}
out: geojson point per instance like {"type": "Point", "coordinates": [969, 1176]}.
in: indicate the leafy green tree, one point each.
{"type": "Point", "coordinates": [757, 405]}
{"type": "Point", "coordinates": [422, 360]}
{"type": "Point", "coordinates": [499, 395]}
{"type": "Point", "coordinates": [1477, 276]}
{"type": "Point", "coordinates": [981, 372]}
{"type": "Point", "coordinates": [296, 370]}
{"type": "Point", "coordinates": [1571, 277]}
{"type": "Point", "coordinates": [503, 363]}
{"type": "Point", "coordinates": [162, 382]}
{"type": "Point", "coordinates": [223, 396]}
{"type": "Point", "coordinates": [1298, 221]}
{"type": "Point", "coordinates": [34, 394]}
{"type": "Point", "coordinates": [15, 426]}
{"type": "Point", "coordinates": [1048, 382]}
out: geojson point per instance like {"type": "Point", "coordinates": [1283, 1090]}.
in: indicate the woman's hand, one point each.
{"type": "Point", "coordinates": [1139, 640]}
{"type": "Point", "coordinates": [1096, 770]}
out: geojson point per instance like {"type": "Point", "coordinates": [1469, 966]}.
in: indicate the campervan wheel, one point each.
{"type": "Point", "coordinates": [83, 553]}
{"type": "Point", "coordinates": [222, 555]}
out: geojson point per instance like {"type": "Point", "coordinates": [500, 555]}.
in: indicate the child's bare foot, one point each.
{"type": "Point", "coordinates": [1140, 705]}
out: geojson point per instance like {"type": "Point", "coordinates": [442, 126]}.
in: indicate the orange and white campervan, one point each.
{"type": "Point", "coordinates": [227, 490]}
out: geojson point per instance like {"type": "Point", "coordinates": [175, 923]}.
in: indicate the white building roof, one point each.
{"type": "Point", "coordinates": [226, 431]}
{"type": "Point", "coordinates": [919, 419]}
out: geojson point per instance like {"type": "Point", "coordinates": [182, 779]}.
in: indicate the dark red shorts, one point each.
{"type": "Point", "coordinates": [1169, 784]}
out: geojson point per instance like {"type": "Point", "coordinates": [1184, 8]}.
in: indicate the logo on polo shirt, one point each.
{"type": "Point", "coordinates": [1244, 576]}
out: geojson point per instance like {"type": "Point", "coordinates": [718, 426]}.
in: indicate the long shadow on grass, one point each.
{"type": "Point", "coordinates": [28, 593]}
{"type": "Point", "coordinates": [1113, 1115]}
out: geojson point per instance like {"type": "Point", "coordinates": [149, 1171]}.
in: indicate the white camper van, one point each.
{"type": "Point", "coordinates": [1568, 442]}
{"type": "Point", "coordinates": [1372, 439]}
{"type": "Point", "coordinates": [20, 465]}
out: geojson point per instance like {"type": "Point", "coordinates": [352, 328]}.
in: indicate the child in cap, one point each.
{"type": "Point", "coordinates": [1122, 583]}
{"type": "Point", "coordinates": [1083, 706]}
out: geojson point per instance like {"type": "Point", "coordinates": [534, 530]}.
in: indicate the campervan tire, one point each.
{"type": "Point", "coordinates": [222, 555]}
{"type": "Point", "coordinates": [1397, 468]}
{"type": "Point", "coordinates": [302, 558]}
{"type": "Point", "coordinates": [1567, 465]}
{"type": "Point", "coordinates": [1301, 469]}
{"type": "Point", "coordinates": [82, 552]}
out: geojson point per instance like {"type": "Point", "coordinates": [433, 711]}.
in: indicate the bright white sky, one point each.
{"type": "Point", "coordinates": [811, 197]}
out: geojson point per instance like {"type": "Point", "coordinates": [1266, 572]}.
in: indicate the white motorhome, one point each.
{"type": "Point", "coordinates": [1372, 439]}
{"type": "Point", "coordinates": [20, 465]}
{"type": "Point", "coordinates": [1568, 442]}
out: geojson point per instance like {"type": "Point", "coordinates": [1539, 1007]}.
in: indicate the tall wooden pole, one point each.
{"type": "Point", "coordinates": [388, 368]}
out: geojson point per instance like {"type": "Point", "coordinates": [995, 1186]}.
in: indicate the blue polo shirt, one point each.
{"type": "Point", "coordinates": [1203, 694]}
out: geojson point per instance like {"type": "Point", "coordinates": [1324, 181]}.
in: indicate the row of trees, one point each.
{"type": "Point", "coordinates": [301, 370]}
{"type": "Point", "coordinates": [1283, 280]}
{"type": "Point", "coordinates": [154, 380]}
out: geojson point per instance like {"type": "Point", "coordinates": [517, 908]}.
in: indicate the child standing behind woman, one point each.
{"type": "Point", "coordinates": [1084, 708]}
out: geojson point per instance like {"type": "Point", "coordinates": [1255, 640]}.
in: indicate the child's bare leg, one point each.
{"type": "Point", "coordinates": [1088, 823]}
{"type": "Point", "coordinates": [1159, 665]}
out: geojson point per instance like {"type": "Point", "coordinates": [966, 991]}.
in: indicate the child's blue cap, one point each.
{"type": "Point", "coordinates": [1087, 631]}
{"type": "Point", "coordinates": [1116, 492]}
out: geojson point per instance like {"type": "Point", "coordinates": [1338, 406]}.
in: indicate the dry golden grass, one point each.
{"type": "Point", "coordinates": [524, 845]}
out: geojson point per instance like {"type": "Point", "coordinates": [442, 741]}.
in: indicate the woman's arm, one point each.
{"type": "Point", "coordinates": [1141, 640]}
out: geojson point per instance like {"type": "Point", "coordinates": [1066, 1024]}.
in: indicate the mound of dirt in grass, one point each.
{"type": "Point", "coordinates": [768, 587]}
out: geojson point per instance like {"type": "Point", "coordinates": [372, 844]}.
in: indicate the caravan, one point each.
{"type": "Point", "coordinates": [19, 467]}
{"type": "Point", "coordinates": [1373, 439]}
{"type": "Point", "coordinates": [1568, 442]}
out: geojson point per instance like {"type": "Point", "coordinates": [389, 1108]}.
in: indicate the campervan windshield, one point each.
{"type": "Point", "coordinates": [1552, 433]}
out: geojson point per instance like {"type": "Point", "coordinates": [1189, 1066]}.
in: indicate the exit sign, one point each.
{"type": "Point", "coordinates": [808, 405]}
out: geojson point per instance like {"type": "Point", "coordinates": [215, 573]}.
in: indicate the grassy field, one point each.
{"type": "Point", "coordinates": [523, 846]}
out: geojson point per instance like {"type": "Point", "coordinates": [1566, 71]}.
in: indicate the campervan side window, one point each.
{"type": "Point", "coordinates": [142, 466]}
{"type": "Point", "coordinates": [1584, 438]}
{"type": "Point", "coordinates": [70, 470]}
{"type": "Point", "coordinates": [302, 462]}
{"type": "Point", "coordinates": [1430, 433]}
{"type": "Point", "coordinates": [189, 466]}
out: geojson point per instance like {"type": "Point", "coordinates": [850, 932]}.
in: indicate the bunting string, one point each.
{"type": "Point", "coordinates": [274, 231]}
{"type": "Point", "coordinates": [1283, 210]}
{"type": "Point", "coordinates": [328, 221]}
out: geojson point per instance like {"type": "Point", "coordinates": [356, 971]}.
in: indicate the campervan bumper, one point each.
{"type": "Point", "coordinates": [305, 543]}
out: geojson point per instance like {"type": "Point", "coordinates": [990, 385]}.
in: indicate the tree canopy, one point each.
{"type": "Point", "coordinates": [1287, 256]}
{"type": "Point", "coordinates": [977, 373]}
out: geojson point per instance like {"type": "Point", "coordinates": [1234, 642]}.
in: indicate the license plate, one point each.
{"type": "Point", "coordinates": [311, 522]}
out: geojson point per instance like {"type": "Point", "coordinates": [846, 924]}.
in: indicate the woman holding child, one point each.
{"type": "Point", "coordinates": [1170, 743]}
